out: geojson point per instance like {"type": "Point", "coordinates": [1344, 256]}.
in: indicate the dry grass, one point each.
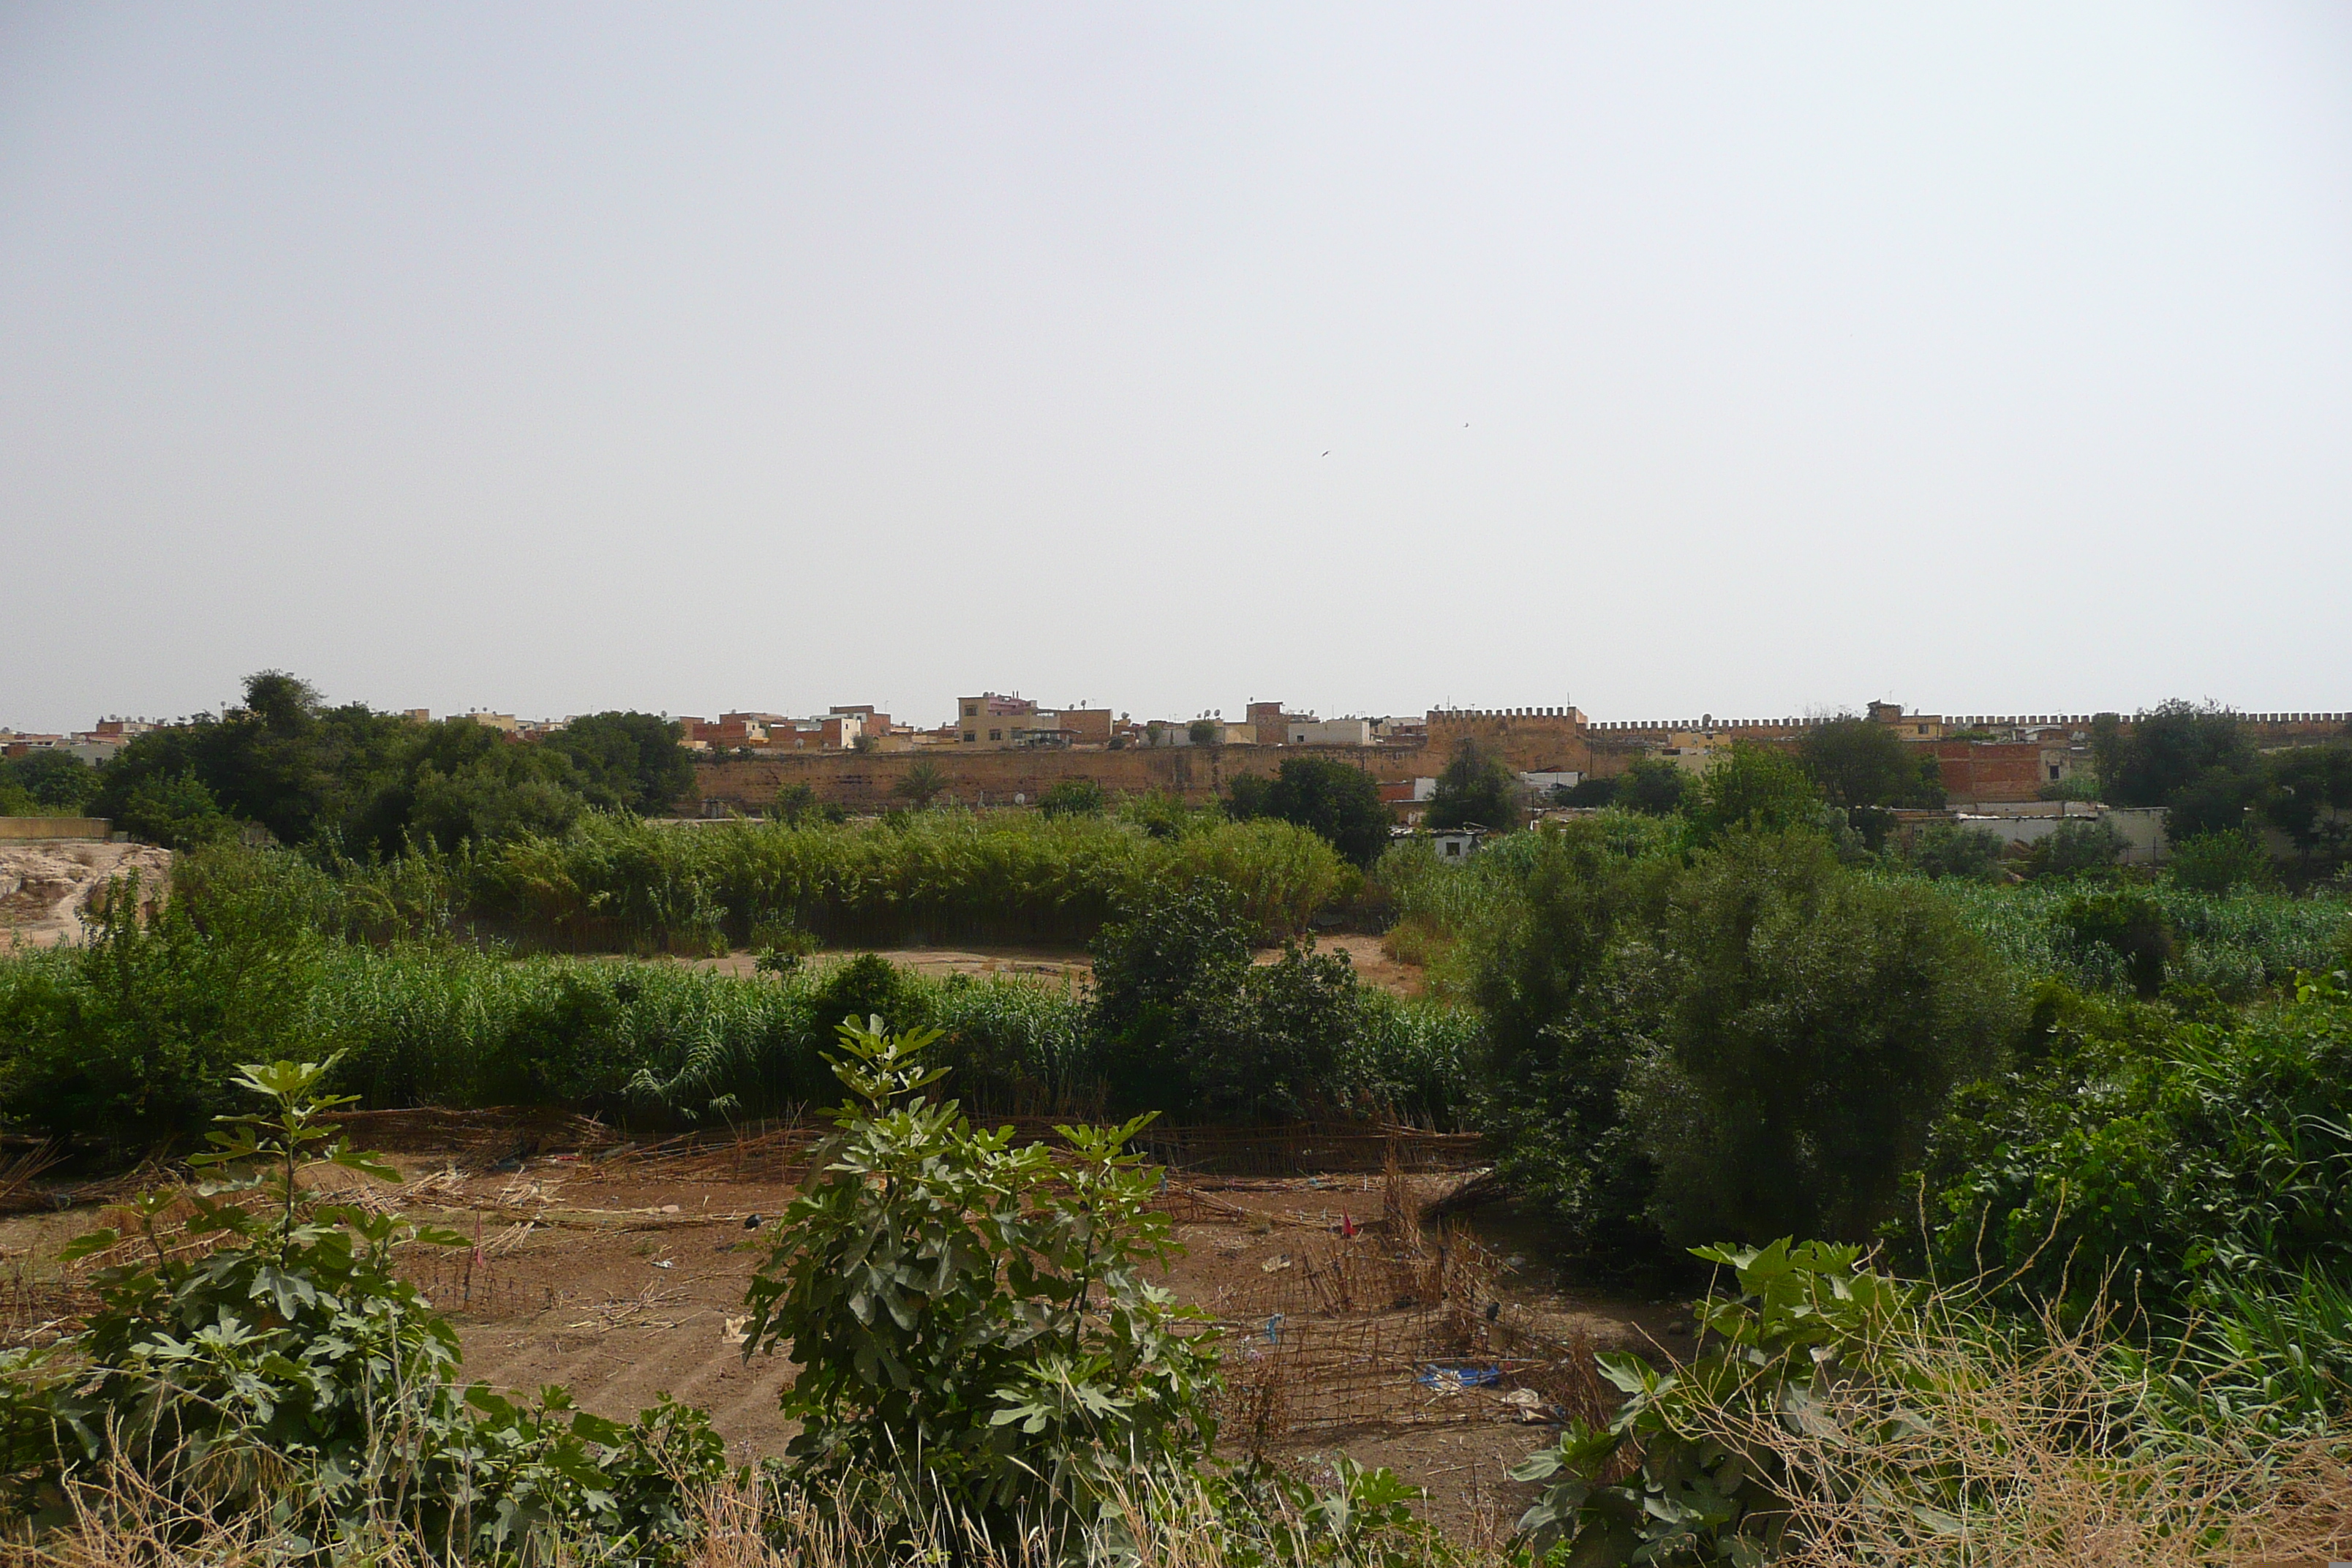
{"type": "Point", "coordinates": [127, 1525]}
{"type": "Point", "coordinates": [2043, 1459]}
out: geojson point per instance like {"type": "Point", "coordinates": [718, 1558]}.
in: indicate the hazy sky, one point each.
{"type": "Point", "coordinates": [1663, 359]}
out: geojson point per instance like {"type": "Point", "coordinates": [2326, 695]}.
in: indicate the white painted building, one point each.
{"type": "Point", "coordinates": [1328, 732]}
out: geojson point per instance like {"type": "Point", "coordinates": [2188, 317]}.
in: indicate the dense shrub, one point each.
{"type": "Point", "coordinates": [1072, 797]}
{"type": "Point", "coordinates": [973, 1317]}
{"type": "Point", "coordinates": [260, 1357]}
{"type": "Point", "coordinates": [2151, 1157]}
{"type": "Point", "coordinates": [1750, 1042]}
{"type": "Point", "coordinates": [1338, 803]}
{"type": "Point", "coordinates": [1568, 991]}
{"type": "Point", "coordinates": [2075, 847]}
{"type": "Point", "coordinates": [134, 1038]}
{"type": "Point", "coordinates": [1817, 1021]}
{"type": "Point", "coordinates": [2221, 862]}
{"type": "Point", "coordinates": [1946, 849]}
{"type": "Point", "coordinates": [2130, 926]}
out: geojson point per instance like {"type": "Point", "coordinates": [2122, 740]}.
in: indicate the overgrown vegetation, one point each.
{"type": "Point", "coordinates": [255, 1356]}
{"type": "Point", "coordinates": [970, 1319]}
{"type": "Point", "coordinates": [375, 783]}
{"type": "Point", "coordinates": [2096, 1118]}
{"type": "Point", "coordinates": [982, 1369]}
{"type": "Point", "coordinates": [133, 1039]}
{"type": "Point", "coordinates": [1340, 804]}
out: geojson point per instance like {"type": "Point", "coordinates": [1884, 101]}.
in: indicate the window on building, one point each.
{"type": "Point", "coordinates": [1453, 849]}
{"type": "Point", "coordinates": [971, 710]}
{"type": "Point", "coordinates": [2054, 771]}
{"type": "Point", "coordinates": [969, 736]}
{"type": "Point", "coordinates": [996, 734]}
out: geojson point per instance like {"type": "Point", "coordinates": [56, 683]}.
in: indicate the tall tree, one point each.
{"type": "Point", "coordinates": [1326, 797]}
{"type": "Point", "coordinates": [1860, 762]}
{"type": "Point", "coordinates": [1475, 789]}
{"type": "Point", "coordinates": [2167, 750]}
{"type": "Point", "coordinates": [630, 760]}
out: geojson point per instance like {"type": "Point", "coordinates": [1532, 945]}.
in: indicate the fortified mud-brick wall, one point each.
{"type": "Point", "coordinates": [1532, 740]}
{"type": "Point", "coordinates": [869, 781]}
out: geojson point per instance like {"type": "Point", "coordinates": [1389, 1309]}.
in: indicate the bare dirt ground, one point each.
{"type": "Point", "coordinates": [46, 886]}
{"type": "Point", "coordinates": [623, 1278]}
{"type": "Point", "coordinates": [1071, 966]}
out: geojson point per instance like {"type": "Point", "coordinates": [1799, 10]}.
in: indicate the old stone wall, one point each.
{"type": "Point", "coordinates": [1532, 740]}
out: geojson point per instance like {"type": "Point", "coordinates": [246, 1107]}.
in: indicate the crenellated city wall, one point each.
{"type": "Point", "coordinates": [1531, 740]}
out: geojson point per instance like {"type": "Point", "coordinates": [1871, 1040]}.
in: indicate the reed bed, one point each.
{"type": "Point", "coordinates": [942, 876]}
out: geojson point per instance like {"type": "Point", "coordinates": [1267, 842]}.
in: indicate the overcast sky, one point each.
{"type": "Point", "coordinates": [1660, 359]}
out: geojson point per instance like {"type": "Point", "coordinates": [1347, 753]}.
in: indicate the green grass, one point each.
{"type": "Point", "coordinates": [2238, 942]}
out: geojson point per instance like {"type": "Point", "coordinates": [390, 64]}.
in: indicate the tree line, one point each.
{"type": "Point", "coordinates": [289, 764]}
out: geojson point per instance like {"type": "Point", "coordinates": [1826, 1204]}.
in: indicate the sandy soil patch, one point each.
{"type": "Point", "coordinates": [1071, 966]}
{"type": "Point", "coordinates": [46, 886]}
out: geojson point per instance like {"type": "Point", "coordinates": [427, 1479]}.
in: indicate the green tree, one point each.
{"type": "Point", "coordinates": [60, 783]}
{"type": "Point", "coordinates": [1204, 732]}
{"type": "Point", "coordinates": [1567, 989]}
{"type": "Point", "coordinates": [284, 760]}
{"type": "Point", "coordinates": [2166, 750]}
{"type": "Point", "coordinates": [1593, 792]}
{"type": "Point", "coordinates": [1269, 1050]}
{"type": "Point", "coordinates": [461, 782]}
{"type": "Point", "coordinates": [2077, 847]}
{"type": "Point", "coordinates": [176, 813]}
{"type": "Point", "coordinates": [2307, 795]}
{"type": "Point", "coordinates": [627, 761]}
{"type": "Point", "coordinates": [1859, 764]}
{"type": "Point", "coordinates": [921, 784]}
{"type": "Point", "coordinates": [1820, 1019]}
{"type": "Point", "coordinates": [1475, 789]}
{"type": "Point", "coordinates": [1340, 803]}
{"type": "Point", "coordinates": [1160, 975]}
{"type": "Point", "coordinates": [1754, 787]}
{"type": "Point", "coordinates": [1654, 786]}
{"type": "Point", "coordinates": [507, 793]}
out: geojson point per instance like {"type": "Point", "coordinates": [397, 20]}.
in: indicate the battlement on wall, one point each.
{"type": "Point", "coordinates": [1949, 720]}
{"type": "Point", "coordinates": [1704, 722]}
{"type": "Point", "coordinates": [1475, 715]}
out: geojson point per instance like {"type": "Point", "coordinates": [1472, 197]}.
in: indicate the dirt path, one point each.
{"type": "Point", "coordinates": [1072, 966]}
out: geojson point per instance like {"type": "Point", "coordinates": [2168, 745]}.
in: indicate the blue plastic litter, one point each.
{"type": "Point", "coordinates": [1459, 1374]}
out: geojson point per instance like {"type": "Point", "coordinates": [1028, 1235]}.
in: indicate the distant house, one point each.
{"type": "Point", "coordinates": [1328, 732]}
{"type": "Point", "coordinates": [993, 722]}
{"type": "Point", "coordinates": [1457, 843]}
